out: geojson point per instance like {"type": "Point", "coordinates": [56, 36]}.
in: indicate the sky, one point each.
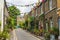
{"type": "Point", "coordinates": [23, 2]}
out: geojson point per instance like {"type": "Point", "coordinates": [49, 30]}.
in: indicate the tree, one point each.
{"type": "Point", "coordinates": [13, 13]}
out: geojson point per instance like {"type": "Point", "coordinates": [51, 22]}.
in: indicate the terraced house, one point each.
{"type": "Point", "coordinates": [52, 14]}
{"type": "Point", "coordinates": [48, 14]}
{"type": "Point", "coordinates": [38, 13]}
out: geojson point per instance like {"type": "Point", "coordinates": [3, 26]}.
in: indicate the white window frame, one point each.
{"type": "Point", "coordinates": [50, 4]}
{"type": "Point", "coordinates": [51, 23]}
{"type": "Point", "coordinates": [33, 13]}
{"type": "Point", "coordinates": [47, 27]}
{"type": "Point", "coordinates": [36, 12]}
{"type": "Point", "coordinates": [41, 9]}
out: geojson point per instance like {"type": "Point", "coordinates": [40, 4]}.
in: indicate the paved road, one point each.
{"type": "Point", "coordinates": [23, 35]}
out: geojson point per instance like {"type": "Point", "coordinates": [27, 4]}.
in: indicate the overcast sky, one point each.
{"type": "Point", "coordinates": [23, 2]}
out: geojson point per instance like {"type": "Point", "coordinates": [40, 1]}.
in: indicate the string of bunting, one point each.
{"type": "Point", "coordinates": [23, 5]}
{"type": "Point", "coordinates": [37, 4]}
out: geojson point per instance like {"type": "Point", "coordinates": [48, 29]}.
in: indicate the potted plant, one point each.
{"type": "Point", "coordinates": [47, 35]}
{"type": "Point", "coordinates": [54, 33]}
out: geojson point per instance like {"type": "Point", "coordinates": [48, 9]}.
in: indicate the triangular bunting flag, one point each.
{"type": "Point", "coordinates": [42, 0]}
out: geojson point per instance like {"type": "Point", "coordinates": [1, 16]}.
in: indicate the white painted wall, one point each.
{"type": "Point", "coordinates": [1, 13]}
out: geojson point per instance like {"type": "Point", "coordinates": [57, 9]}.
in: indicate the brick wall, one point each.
{"type": "Point", "coordinates": [46, 6]}
{"type": "Point", "coordinates": [54, 16]}
{"type": "Point", "coordinates": [54, 3]}
{"type": "Point", "coordinates": [51, 13]}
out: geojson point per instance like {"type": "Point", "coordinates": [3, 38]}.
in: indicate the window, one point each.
{"type": "Point", "coordinates": [46, 26]}
{"type": "Point", "coordinates": [51, 23]}
{"type": "Point", "coordinates": [36, 12]}
{"type": "Point", "coordinates": [50, 4]}
{"type": "Point", "coordinates": [33, 13]}
{"type": "Point", "coordinates": [41, 9]}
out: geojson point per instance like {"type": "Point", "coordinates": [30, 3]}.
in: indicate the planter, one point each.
{"type": "Point", "coordinates": [47, 38]}
{"type": "Point", "coordinates": [54, 33]}
{"type": "Point", "coordinates": [47, 35]}
{"type": "Point", "coordinates": [58, 37]}
{"type": "Point", "coordinates": [52, 37]}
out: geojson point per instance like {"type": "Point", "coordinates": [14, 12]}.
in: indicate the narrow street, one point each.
{"type": "Point", "coordinates": [23, 35]}
{"type": "Point", "coordinates": [30, 20]}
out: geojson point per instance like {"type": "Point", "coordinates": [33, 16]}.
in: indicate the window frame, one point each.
{"type": "Point", "coordinates": [41, 9]}
{"type": "Point", "coordinates": [50, 4]}
{"type": "Point", "coordinates": [36, 12]}
{"type": "Point", "coordinates": [51, 22]}
{"type": "Point", "coordinates": [47, 26]}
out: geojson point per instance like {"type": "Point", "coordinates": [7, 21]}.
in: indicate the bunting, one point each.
{"type": "Point", "coordinates": [23, 5]}
{"type": "Point", "coordinates": [42, 0]}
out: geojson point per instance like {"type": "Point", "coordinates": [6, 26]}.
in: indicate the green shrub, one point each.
{"type": "Point", "coordinates": [4, 35]}
{"type": "Point", "coordinates": [47, 35]}
{"type": "Point", "coordinates": [54, 31]}
{"type": "Point", "coordinates": [36, 31]}
{"type": "Point", "coordinates": [0, 23]}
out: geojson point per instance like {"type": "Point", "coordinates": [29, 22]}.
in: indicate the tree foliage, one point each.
{"type": "Point", "coordinates": [0, 23]}
{"type": "Point", "coordinates": [13, 13]}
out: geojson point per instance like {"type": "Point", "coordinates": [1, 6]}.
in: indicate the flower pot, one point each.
{"type": "Point", "coordinates": [58, 37]}
{"type": "Point", "coordinates": [52, 37]}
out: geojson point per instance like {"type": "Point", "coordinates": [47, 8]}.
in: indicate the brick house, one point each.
{"type": "Point", "coordinates": [52, 14]}
{"type": "Point", "coordinates": [51, 17]}
{"type": "Point", "coordinates": [41, 15]}
{"type": "Point", "coordinates": [48, 14]}
{"type": "Point", "coordinates": [37, 12]}
{"type": "Point", "coordinates": [58, 12]}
